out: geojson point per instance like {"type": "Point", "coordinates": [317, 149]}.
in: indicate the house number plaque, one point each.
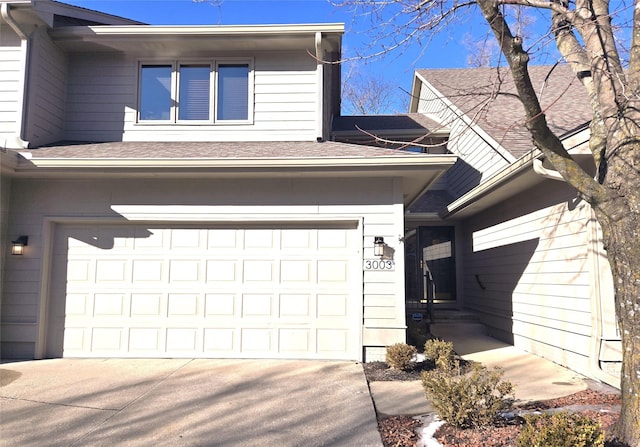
{"type": "Point", "coordinates": [379, 264]}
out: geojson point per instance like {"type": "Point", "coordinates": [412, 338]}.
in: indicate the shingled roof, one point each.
{"type": "Point", "coordinates": [488, 96]}
{"type": "Point", "coordinates": [208, 150]}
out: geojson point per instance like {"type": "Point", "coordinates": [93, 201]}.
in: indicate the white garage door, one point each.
{"type": "Point", "coordinates": [217, 292]}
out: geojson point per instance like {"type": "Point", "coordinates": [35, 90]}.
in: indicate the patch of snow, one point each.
{"type": "Point", "coordinates": [430, 424]}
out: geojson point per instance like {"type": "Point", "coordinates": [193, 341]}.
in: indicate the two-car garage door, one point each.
{"type": "Point", "coordinates": [257, 291]}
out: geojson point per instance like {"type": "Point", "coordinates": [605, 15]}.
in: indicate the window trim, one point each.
{"type": "Point", "coordinates": [213, 63]}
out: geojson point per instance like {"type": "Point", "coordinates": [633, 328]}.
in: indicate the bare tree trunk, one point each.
{"type": "Point", "coordinates": [620, 221]}
{"type": "Point", "coordinates": [624, 257]}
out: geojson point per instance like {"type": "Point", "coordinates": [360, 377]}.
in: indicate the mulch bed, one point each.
{"type": "Point", "coordinates": [400, 431]}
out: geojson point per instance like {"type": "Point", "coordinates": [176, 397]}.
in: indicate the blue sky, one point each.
{"type": "Point", "coordinates": [446, 51]}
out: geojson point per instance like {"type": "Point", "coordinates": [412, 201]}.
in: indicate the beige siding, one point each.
{"type": "Point", "coordinates": [11, 75]}
{"type": "Point", "coordinates": [527, 272]}
{"type": "Point", "coordinates": [479, 158]}
{"type": "Point", "coordinates": [102, 102]}
{"type": "Point", "coordinates": [201, 201]}
{"type": "Point", "coordinates": [45, 123]}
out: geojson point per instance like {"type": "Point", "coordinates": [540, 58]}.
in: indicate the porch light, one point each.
{"type": "Point", "coordinates": [378, 246]}
{"type": "Point", "coordinates": [17, 246]}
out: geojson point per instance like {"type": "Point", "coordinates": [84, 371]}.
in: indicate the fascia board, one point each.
{"type": "Point", "coordinates": [194, 30]}
{"type": "Point", "coordinates": [511, 171]}
{"type": "Point", "coordinates": [418, 80]}
{"type": "Point", "coordinates": [577, 144]}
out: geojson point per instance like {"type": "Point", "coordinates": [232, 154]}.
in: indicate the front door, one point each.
{"type": "Point", "coordinates": [430, 268]}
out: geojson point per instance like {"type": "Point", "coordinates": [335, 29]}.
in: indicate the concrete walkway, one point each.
{"type": "Point", "coordinates": [132, 402]}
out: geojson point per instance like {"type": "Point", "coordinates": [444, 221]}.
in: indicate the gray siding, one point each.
{"type": "Point", "coordinates": [47, 91]}
{"type": "Point", "coordinates": [102, 102]}
{"type": "Point", "coordinates": [11, 75]}
{"type": "Point", "coordinates": [527, 273]}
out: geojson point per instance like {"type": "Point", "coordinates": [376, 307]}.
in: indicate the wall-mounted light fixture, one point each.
{"type": "Point", "coordinates": [378, 246]}
{"type": "Point", "coordinates": [17, 246]}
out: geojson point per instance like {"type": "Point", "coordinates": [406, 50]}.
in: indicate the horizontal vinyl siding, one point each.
{"type": "Point", "coordinates": [47, 95]}
{"type": "Point", "coordinates": [102, 102]}
{"type": "Point", "coordinates": [531, 257]}
{"type": "Point", "coordinates": [378, 204]}
{"type": "Point", "coordinates": [10, 83]}
{"type": "Point", "coordinates": [100, 89]}
{"type": "Point", "coordinates": [478, 160]}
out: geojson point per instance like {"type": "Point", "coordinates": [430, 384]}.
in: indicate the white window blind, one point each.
{"type": "Point", "coordinates": [233, 92]}
{"type": "Point", "coordinates": [194, 92]}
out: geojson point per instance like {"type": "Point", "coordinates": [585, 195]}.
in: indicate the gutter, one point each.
{"type": "Point", "coordinates": [320, 81]}
{"type": "Point", "coordinates": [5, 12]}
{"type": "Point", "coordinates": [518, 167]}
{"type": "Point", "coordinates": [383, 162]}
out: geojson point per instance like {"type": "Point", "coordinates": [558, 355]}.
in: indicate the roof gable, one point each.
{"type": "Point", "coordinates": [488, 97]}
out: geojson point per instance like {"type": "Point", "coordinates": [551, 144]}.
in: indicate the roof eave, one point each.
{"type": "Point", "coordinates": [417, 173]}
{"type": "Point", "coordinates": [576, 142]}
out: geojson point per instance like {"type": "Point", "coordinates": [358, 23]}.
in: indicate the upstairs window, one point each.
{"type": "Point", "coordinates": [233, 92]}
{"type": "Point", "coordinates": [183, 93]}
{"type": "Point", "coordinates": [155, 92]}
{"type": "Point", "coordinates": [194, 92]}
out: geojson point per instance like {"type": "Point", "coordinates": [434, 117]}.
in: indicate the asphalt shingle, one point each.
{"type": "Point", "coordinates": [488, 96]}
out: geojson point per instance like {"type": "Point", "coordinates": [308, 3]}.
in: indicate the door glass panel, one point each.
{"type": "Point", "coordinates": [437, 245]}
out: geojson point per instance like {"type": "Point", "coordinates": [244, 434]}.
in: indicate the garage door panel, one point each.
{"type": "Point", "coordinates": [256, 340]}
{"type": "Point", "coordinates": [333, 271]}
{"type": "Point", "coordinates": [216, 292]}
{"type": "Point", "coordinates": [220, 305]}
{"type": "Point", "coordinates": [332, 340]}
{"type": "Point", "coordinates": [77, 304]}
{"type": "Point", "coordinates": [146, 304]}
{"type": "Point", "coordinates": [182, 340]}
{"type": "Point", "coordinates": [222, 271]}
{"type": "Point", "coordinates": [184, 270]}
{"type": "Point", "coordinates": [259, 239]}
{"type": "Point", "coordinates": [147, 271]}
{"type": "Point", "coordinates": [74, 340]}
{"type": "Point", "coordinates": [224, 239]}
{"type": "Point", "coordinates": [149, 240]}
{"type": "Point", "coordinates": [294, 342]}
{"type": "Point", "coordinates": [257, 305]}
{"type": "Point", "coordinates": [295, 306]}
{"type": "Point", "coordinates": [220, 341]}
{"type": "Point", "coordinates": [183, 304]}
{"type": "Point", "coordinates": [186, 239]}
{"type": "Point", "coordinates": [258, 270]}
{"type": "Point", "coordinates": [107, 340]}
{"type": "Point", "coordinates": [294, 271]}
{"type": "Point", "coordinates": [109, 305]}
{"type": "Point", "coordinates": [146, 341]}
{"type": "Point", "coordinates": [112, 270]}
{"type": "Point", "coordinates": [331, 306]}
{"type": "Point", "coordinates": [295, 239]}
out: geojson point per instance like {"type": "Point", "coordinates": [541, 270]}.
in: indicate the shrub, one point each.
{"type": "Point", "coordinates": [441, 352]}
{"type": "Point", "coordinates": [562, 429]}
{"type": "Point", "coordinates": [471, 400]}
{"type": "Point", "coordinates": [417, 332]}
{"type": "Point", "coordinates": [400, 356]}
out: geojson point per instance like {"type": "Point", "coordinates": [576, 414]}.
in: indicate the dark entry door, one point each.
{"type": "Point", "coordinates": [430, 250]}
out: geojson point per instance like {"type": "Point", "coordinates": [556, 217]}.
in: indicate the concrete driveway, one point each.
{"type": "Point", "coordinates": [185, 402]}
